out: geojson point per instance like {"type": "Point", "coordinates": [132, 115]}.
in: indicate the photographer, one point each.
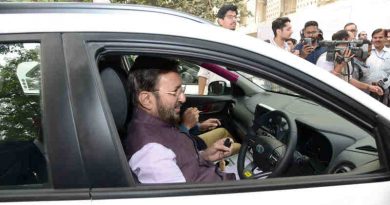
{"type": "Point", "coordinates": [342, 66]}
{"type": "Point", "coordinates": [361, 70]}
{"type": "Point", "coordinates": [308, 48]}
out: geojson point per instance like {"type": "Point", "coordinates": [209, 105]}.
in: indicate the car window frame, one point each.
{"type": "Point", "coordinates": [194, 48]}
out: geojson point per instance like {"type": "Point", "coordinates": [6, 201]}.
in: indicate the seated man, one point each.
{"type": "Point", "coordinates": [157, 151]}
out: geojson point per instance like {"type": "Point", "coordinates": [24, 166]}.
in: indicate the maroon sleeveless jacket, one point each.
{"type": "Point", "coordinates": [145, 128]}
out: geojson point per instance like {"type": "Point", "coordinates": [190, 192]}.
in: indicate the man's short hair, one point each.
{"type": "Point", "coordinates": [348, 24]}
{"type": "Point", "coordinates": [320, 35]}
{"type": "Point", "coordinates": [378, 31]}
{"type": "Point", "coordinates": [340, 35]}
{"type": "Point", "coordinates": [310, 23]}
{"type": "Point", "coordinates": [294, 41]}
{"type": "Point", "coordinates": [279, 23]}
{"type": "Point", "coordinates": [145, 72]}
{"type": "Point", "coordinates": [224, 9]}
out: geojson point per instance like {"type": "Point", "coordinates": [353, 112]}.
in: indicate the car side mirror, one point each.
{"type": "Point", "coordinates": [217, 88]}
{"type": "Point", "coordinates": [29, 77]}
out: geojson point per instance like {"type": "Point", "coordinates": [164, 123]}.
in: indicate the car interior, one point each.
{"type": "Point", "coordinates": [282, 132]}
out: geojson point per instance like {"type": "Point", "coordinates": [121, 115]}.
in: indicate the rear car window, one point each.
{"type": "Point", "coordinates": [22, 153]}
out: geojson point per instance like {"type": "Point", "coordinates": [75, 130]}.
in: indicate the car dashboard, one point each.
{"type": "Point", "coordinates": [331, 143]}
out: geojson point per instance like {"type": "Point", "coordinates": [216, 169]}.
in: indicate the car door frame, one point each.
{"type": "Point", "coordinates": [60, 142]}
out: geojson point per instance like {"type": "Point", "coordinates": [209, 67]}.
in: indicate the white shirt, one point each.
{"type": "Point", "coordinates": [285, 45]}
{"type": "Point", "coordinates": [379, 65]}
{"type": "Point", "coordinates": [211, 77]}
{"type": "Point", "coordinates": [155, 163]}
{"type": "Point", "coordinates": [329, 66]}
{"type": "Point", "coordinates": [323, 63]}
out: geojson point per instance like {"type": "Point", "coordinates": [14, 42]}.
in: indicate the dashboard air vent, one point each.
{"type": "Point", "coordinates": [367, 148]}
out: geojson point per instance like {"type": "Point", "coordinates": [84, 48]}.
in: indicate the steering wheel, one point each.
{"type": "Point", "coordinates": [271, 157]}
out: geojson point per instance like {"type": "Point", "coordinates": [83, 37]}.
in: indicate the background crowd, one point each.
{"type": "Point", "coordinates": [355, 56]}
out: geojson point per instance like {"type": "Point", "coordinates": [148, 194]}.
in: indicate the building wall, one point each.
{"type": "Point", "coordinates": [290, 6]}
{"type": "Point", "coordinates": [301, 4]}
{"type": "Point", "coordinates": [274, 9]}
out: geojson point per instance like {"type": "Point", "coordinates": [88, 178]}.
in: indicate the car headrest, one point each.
{"type": "Point", "coordinates": [115, 87]}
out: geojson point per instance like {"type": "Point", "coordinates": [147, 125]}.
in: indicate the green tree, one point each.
{"type": "Point", "coordinates": [203, 8]}
{"type": "Point", "coordinates": [19, 113]}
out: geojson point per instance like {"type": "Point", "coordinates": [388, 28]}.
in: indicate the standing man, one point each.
{"type": "Point", "coordinates": [227, 18]}
{"type": "Point", "coordinates": [387, 44]}
{"type": "Point", "coordinates": [291, 42]}
{"type": "Point", "coordinates": [157, 151]}
{"type": "Point", "coordinates": [341, 66]}
{"type": "Point", "coordinates": [282, 31]}
{"type": "Point", "coordinates": [379, 60]}
{"type": "Point", "coordinates": [362, 35]}
{"type": "Point", "coordinates": [311, 52]}
{"type": "Point", "coordinates": [351, 27]}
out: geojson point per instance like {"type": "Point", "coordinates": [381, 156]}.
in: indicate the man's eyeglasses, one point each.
{"type": "Point", "coordinates": [176, 93]}
{"type": "Point", "coordinates": [311, 32]}
{"type": "Point", "coordinates": [231, 17]}
{"type": "Point", "coordinates": [352, 30]}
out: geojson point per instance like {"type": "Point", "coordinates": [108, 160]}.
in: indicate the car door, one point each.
{"type": "Point", "coordinates": [304, 189]}
{"type": "Point", "coordinates": [39, 152]}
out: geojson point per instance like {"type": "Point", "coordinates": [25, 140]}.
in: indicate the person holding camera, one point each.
{"type": "Point", "coordinates": [342, 66]}
{"type": "Point", "coordinates": [361, 70]}
{"type": "Point", "coordinates": [309, 48]}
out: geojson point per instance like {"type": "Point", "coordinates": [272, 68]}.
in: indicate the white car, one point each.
{"type": "Point", "coordinates": [64, 110]}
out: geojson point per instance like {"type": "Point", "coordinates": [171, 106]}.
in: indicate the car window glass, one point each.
{"type": "Point", "coordinates": [266, 84]}
{"type": "Point", "coordinates": [190, 74]}
{"type": "Point", "coordinates": [22, 155]}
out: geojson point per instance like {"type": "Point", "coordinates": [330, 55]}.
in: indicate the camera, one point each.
{"type": "Point", "coordinates": [381, 83]}
{"type": "Point", "coordinates": [307, 41]}
{"type": "Point", "coordinates": [356, 47]}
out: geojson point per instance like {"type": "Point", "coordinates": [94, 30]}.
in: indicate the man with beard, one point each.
{"type": "Point", "coordinates": [310, 52]}
{"type": "Point", "coordinates": [157, 151]}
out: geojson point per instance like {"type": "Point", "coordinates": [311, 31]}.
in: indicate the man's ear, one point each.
{"type": "Point", "coordinates": [145, 99]}
{"type": "Point", "coordinates": [278, 32]}
{"type": "Point", "coordinates": [219, 21]}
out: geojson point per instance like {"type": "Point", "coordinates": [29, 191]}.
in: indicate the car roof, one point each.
{"type": "Point", "coordinates": [76, 17]}
{"type": "Point", "coordinates": [89, 8]}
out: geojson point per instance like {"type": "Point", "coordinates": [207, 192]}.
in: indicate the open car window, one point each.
{"type": "Point", "coordinates": [307, 137]}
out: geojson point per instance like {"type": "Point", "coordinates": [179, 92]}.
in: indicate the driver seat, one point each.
{"type": "Point", "coordinates": [114, 80]}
